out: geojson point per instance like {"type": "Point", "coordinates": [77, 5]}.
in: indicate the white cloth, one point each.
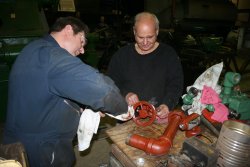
{"type": "Point", "coordinates": [88, 125]}
{"type": "Point", "coordinates": [209, 78]}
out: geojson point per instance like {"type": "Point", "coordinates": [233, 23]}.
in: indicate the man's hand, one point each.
{"type": "Point", "coordinates": [130, 114]}
{"type": "Point", "coordinates": [126, 116]}
{"type": "Point", "coordinates": [162, 113]}
{"type": "Point", "coordinates": [101, 114]}
{"type": "Point", "coordinates": [131, 98]}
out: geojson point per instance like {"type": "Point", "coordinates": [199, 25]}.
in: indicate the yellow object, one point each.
{"type": "Point", "coordinates": [9, 163]}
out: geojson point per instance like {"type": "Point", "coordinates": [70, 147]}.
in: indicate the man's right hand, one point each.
{"type": "Point", "coordinates": [126, 116]}
{"type": "Point", "coordinates": [131, 98]}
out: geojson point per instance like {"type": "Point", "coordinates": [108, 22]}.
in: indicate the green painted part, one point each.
{"type": "Point", "coordinates": [241, 104]}
{"type": "Point", "coordinates": [210, 107]}
{"type": "Point", "coordinates": [21, 22]}
{"type": "Point", "coordinates": [234, 99]}
{"type": "Point", "coordinates": [21, 18]}
{"type": "Point", "coordinates": [188, 99]}
{"type": "Point", "coordinates": [231, 79]}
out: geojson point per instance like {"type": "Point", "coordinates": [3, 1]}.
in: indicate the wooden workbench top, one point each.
{"type": "Point", "coordinates": [119, 133]}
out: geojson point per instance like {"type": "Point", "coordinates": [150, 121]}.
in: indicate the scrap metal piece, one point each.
{"type": "Point", "coordinates": [201, 154]}
{"type": "Point", "coordinates": [209, 125]}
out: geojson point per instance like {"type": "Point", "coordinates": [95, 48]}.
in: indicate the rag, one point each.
{"type": "Point", "coordinates": [209, 96]}
{"type": "Point", "coordinates": [208, 78]}
{"type": "Point", "coordinates": [88, 125]}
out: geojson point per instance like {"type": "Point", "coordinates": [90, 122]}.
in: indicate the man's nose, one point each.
{"type": "Point", "coordinates": [82, 50]}
{"type": "Point", "coordinates": [145, 40]}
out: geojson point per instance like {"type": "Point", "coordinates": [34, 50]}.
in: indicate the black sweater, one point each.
{"type": "Point", "coordinates": [155, 76]}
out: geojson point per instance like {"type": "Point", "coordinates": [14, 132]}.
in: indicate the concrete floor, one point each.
{"type": "Point", "coordinates": [97, 155]}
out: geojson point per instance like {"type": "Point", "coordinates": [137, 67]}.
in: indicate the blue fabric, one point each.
{"type": "Point", "coordinates": [46, 84]}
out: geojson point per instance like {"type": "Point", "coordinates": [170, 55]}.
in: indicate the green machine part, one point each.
{"type": "Point", "coordinates": [240, 104]}
{"type": "Point", "coordinates": [189, 97]}
{"type": "Point", "coordinates": [21, 21]}
{"type": "Point", "coordinates": [236, 101]}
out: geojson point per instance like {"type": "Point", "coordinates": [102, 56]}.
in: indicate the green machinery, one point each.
{"type": "Point", "coordinates": [21, 21]}
{"type": "Point", "coordinates": [237, 102]}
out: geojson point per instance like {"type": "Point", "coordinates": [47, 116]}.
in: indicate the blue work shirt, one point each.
{"type": "Point", "coordinates": [46, 84]}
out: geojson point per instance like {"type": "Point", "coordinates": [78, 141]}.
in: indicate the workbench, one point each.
{"type": "Point", "coordinates": [132, 157]}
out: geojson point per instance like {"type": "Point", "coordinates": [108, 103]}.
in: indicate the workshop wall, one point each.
{"type": "Point", "coordinates": [91, 10]}
{"type": "Point", "coordinates": [243, 7]}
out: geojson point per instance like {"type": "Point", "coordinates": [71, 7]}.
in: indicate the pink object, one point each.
{"type": "Point", "coordinates": [220, 112]}
{"type": "Point", "coordinates": [209, 96]}
{"type": "Point", "coordinates": [162, 120]}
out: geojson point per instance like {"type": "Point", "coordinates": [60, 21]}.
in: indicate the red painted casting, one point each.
{"type": "Point", "coordinates": [161, 145]}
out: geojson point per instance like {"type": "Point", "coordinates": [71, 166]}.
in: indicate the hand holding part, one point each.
{"type": "Point", "coordinates": [162, 114]}
{"type": "Point", "coordinates": [126, 116]}
{"type": "Point", "coordinates": [130, 114]}
{"type": "Point", "coordinates": [131, 98]}
{"type": "Point", "coordinates": [162, 111]}
{"type": "Point", "coordinates": [101, 114]}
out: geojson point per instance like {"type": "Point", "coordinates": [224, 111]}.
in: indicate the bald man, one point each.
{"type": "Point", "coordinates": [147, 69]}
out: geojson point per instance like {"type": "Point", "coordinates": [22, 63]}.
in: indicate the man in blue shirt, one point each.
{"type": "Point", "coordinates": [46, 84]}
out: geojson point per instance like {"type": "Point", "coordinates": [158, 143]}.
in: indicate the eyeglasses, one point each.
{"type": "Point", "coordinates": [83, 39]}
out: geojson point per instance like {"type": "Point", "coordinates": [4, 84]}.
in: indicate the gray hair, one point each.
{"type": "Point", "coordinates": [148, 15]}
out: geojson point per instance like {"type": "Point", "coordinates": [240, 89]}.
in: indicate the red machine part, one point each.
{"type": "Point", "coordinates": [193, 132]}
{"type": "Point", "coordinates": [190, 125]}
{"type": "Point", "coordinates": [189, 122]}
{"type": "Point", "coordinates": [161, 145]}
{"type": "Point", "coordinates": [207, 114]}
{"type": "Point", "coordinates": [145, 113]}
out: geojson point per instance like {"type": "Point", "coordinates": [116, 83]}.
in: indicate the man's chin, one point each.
{"type": "Point", "coordinates": [146, 48]}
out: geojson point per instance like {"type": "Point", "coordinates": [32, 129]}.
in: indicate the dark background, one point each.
{"type": "Point", "coordinates": [202, 32]}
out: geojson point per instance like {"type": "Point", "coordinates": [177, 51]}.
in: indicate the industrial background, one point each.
{"type": "Point", "coordinates": [203, 33]}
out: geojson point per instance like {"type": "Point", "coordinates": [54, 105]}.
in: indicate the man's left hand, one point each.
{"type": "Point", "coordinates": [162, 113]}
